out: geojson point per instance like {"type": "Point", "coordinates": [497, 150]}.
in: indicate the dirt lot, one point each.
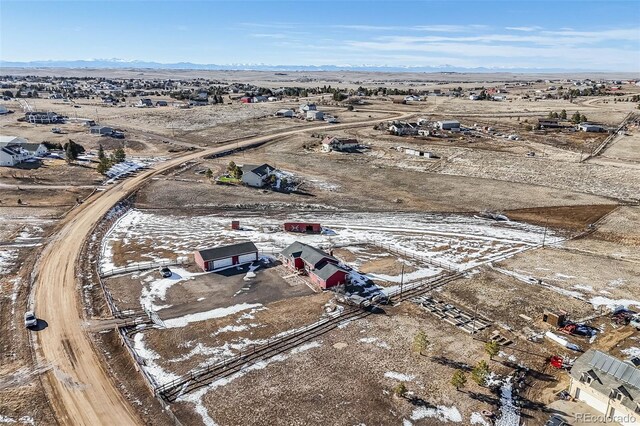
{"type": "Point", "coordinates": [368, 359]}
{"type": "Point", "coordinates": [503, 298]}
{"type": "Point", "coordinates": [601, 280]}
{"type": "Point", "coordinates": [183, 294]}
{"type": "Point", "coordinates": [332, 177]}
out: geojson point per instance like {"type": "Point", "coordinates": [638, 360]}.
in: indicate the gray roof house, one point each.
{"type": "Point", "coordinates": [256, 175]}
{"type": "Point", "coordinates": [608, 385]}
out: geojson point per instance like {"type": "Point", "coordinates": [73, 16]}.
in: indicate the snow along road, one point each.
{"type": "Point", "coordinates": [78, 386]}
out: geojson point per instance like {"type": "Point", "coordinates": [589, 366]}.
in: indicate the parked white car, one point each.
{"type": "Point", "coordinates": [30, 319]}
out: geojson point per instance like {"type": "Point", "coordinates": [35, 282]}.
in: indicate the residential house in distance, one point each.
{"type": "Point", "coordinates": [162, 103]}
{"type": "Point", "coordinates": [222, 257]}
{"type": "Point", "coordinates": [452, 125]}
{"type": "Point", "coordinates": [35, 117]}
{"type": "Point", "coordinates": [35, 149]}
{"type": "Point", "coordinates": [101, 130]}
{"type": "Point", "coordinates": [608, 385]}
{"type": "Point", "coordinates": [400, 128]}
{"type": "Point", "coordinates": [321, 267]}
{"type": "Point", "coordinates": [412, 98]}
{"type": "Point", "coordinates": [332, 143]}
{"type": "Point", "coordinates": [284, 113]}
{"type": "Point", "coordinates": [22, 149]}
{"type": "Point", "coordinates": [256, 176]}
{"type": "Point", "coordinates": [549, 123]}
{"type": "Point", "coordinates": [10, 155]}
{"type": "Point", "coordinates": [307, 107]}
{"type": "Point", "coordinates": [144, 103]}
{"type": "Point", "coordinates": [315, 115]}
{"type": "Point", "coordinates": [419, 153]}
{"type": "Point", "coordinates": [587, 127]}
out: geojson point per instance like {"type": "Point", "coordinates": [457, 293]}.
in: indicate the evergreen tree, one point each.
{"type": "Point", "coordinates": [492, 348]}
{"type": "Point", "coordinates": [103, 166]}
{"type": "Point", "coordinates": [208, 174]}
{"type": "Point", "coordinates": [400, 390]}
{"type": "Point", "coordinates": [480, 372]}
{"type": "Point", "coordinates": [563, 114]}
{"type": "Point", "coordinates": [119, 155]}
{"type": "Point", "coordinates": [575, 118]}
{"type": "Point", "coordinates": [459, 379]}
{"type": "Point", "coordinates": [70, 152]}
{"type": "Point", "coordinates": [101, 155]}
{"type": "Point", "coordinates": [420, 342]}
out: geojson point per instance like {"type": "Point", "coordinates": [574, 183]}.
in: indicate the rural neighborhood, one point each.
{"type": "Point", "coordinates": [255, 244]}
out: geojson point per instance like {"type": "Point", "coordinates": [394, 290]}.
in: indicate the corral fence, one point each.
{"type": "Point", "coordinates": [272, 347]}
{"type": "Point", "coordinates": [610, 138]}
{"type": "Point", "coordinates": [143, 266]}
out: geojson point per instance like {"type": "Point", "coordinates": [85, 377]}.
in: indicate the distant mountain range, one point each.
{"type": "Point", "coordinates": [122, 64]}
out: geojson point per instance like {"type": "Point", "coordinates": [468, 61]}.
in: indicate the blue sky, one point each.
{"type": "Point", "coordinates": [596, 35]}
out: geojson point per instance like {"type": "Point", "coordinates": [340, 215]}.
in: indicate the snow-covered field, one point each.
{"type": "Point", "coordinates": [455, 240]}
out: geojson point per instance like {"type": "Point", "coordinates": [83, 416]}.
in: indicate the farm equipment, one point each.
{"type": "Point", "coordinates": [578, 329]}
{"type": "Point", "coordinates": [560, 362]}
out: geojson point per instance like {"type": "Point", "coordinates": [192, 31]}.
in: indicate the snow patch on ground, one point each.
{"type": "Point", "coordinates": [478, 419]}
{"type": "Point", "coordinates": [196, 397]}
{"type": "Point", "coordinates": [157, 290]}
{"type": "Point", "coordinates": [451, 239]}
{"type": "Point", "coordinates": [7, 257]}
{"type": "Point", "coordinates": [399, 376]}
{"type": "Point", "coordinates": [509, 415]}
{"type": "Point", "coordinates": [584, 287]}
{"type": "Point", "coordinates": [631, 352]}
{"type": "Point", "coordinates": [375, 341]}
{"type": "Point", "coordinates": [441, 412]}
{"type": "Point", "coordinates": [159, 374]}
{"type": "Point", "coordinates": [214, 313]}
{"type": "Point", "coordinates": [612, 303]}
{"type": "Point", "coordinates": [23, 420]}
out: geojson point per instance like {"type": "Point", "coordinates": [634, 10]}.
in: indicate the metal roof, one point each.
{"type": "Point", "coordinates": [310, 255]}
{"type": "Point", "coordinates": [621, 370]}
{"type": "Point", "coordinates": [227, 251]}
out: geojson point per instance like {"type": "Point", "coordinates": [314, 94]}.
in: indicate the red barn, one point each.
{"type": "Point", "coordinates": [309, 228]}
{"type": "Point", "coordinates": [322, 268]}
{"type": "Point", "coordinates": [225, 256]}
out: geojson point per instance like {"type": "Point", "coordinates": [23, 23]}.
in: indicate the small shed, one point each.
{"type": "Point", "coordinates": [222, 257]}
{"type": "Point", "coordinates": [235, 225]}
{"type": "Point", "coordinates": [303, 227]}
{"type": "Point", "coordinates": [556, 319]}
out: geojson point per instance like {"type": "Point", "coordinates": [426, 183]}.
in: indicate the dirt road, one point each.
{"type": "Point", "coordinates": [79, 388]}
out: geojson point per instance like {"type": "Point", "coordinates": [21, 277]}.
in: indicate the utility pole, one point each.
{"type": "Point", "coordinates": [401, 280]}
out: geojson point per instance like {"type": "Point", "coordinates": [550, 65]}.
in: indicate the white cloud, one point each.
{"type": "Point", "coordinates": [526, 29]}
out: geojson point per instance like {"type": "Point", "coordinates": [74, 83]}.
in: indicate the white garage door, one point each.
{"type": "Point", "coordinates": [592, 401]}
{"type": "Point", "coordinates": [248, 257]}
{"type": "Point", "coordinates": [221, 263]}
